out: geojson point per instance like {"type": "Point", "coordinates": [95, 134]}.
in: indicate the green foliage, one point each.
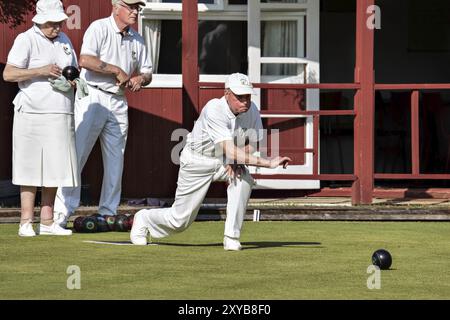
{"type": "Point", "coordinates": [13, 12]}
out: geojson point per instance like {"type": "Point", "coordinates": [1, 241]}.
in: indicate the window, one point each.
{"type": "Point", "coordinates": [223, 41]}
{"type": "Point", "coordinates": [222, 47]}
{"type": "Point", "coordinates": [282, 48]}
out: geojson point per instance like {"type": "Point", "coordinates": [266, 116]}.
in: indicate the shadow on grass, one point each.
{"type": "Point", "coordinates": [246, 245]}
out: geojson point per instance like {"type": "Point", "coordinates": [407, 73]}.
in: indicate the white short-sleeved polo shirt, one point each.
{"type": "Point", "coordinates": [104, 40]}
{"type": "Point", "coordinates": [32, 49]}
{"type": "Point", "coordinates": [217, 124]}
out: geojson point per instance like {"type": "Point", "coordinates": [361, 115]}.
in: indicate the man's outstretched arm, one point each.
{"type": "Point", "coordinates": [245, 156]}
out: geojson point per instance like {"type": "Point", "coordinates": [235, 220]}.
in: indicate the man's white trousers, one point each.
{"type": "Point", "coordinates": [194, 178]}
{"type": "Point", "coordinates": [105, 116]}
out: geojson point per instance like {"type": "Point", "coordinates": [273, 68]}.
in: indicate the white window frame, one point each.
{"type": "Point", "coordinates": [312, 71]}
{"type": "Point", "coordinates": [202, 7]}
{"type": "Point", "coordinates": [222, 5]}
{"type": "Point", "coordinates": [298, 17]}
{"type": "Point", "coordinates": [223, 11]}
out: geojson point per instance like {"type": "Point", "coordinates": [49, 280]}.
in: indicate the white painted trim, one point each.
{"type": "Point", "coordinates": [222, 5]}
{"type": "Point", "coordinates": [285, 16]}
{"type": "Point", "coordinates": [166, 81]}
{"type": "Point", "coordinates": [160, 6]}
{"type": "Point", "coordinates": [176, 15]}
{"type": "Point", "coordinates": [288, 60]}
{"type": "Point", "coordinates": [283, 6]}
{"type": "Point", "coordinates": [312, 73]}
{"type": "Point", "coordinates": [284, 116]}
{"type": "Point", "coordinates": [262, 184]}
{"type": "Point", "coordinates": [254, 46]}
{"type": "Point", "coordinates": [284, 79]}
{"type": "Point", "coordinates": [176, 80]}
{"type": "Point", "coordinates": [213, 77]}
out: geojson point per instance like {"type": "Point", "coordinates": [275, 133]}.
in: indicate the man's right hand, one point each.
{"type": "Point", "coordinates": [279, 161]}
{"type": "Point", "coordinates": [121, 77]}
{"type": "Point", "coordinates": [51, 70]}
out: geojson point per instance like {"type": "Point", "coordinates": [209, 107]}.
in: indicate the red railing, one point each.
{"type": "Point", "coordinates": [415, 141]}
{"type": "Point", "coordinates": [415, 131]}
{"type": "Point", "coordinates": [316, 126]}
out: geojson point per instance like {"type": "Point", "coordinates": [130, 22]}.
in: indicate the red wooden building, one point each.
{"type": "Point", "coordinates": [357, 89]}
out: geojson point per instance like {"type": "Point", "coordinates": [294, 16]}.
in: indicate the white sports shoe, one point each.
{"type": "Point", "coordinates": [231, 244]}
{"type": "Point", "coordinates": [26, 230]}
{"type": "Point", "coordinates": [60, 218]}
{"type": "Point", "coordinates": [139, 231]}
{"type": "Point", "coordinates": [54, 230]}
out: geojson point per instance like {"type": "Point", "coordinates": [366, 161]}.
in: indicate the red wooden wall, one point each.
{"type": "Point", "coordinates": [7, 94]}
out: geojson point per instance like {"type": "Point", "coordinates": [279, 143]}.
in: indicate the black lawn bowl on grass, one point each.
{"type": "Point", "coordinates": [110, 220]}
{"type": "Point", "coordinates": [130, 221]}
{"type": "Point", "coordinates": [102, 225]}
{"type": "Point", "coordinates": [78, 224]}
{"type": "Point", "coordinates": [121, 223]}
{"type": "Point", "coordinates": [280, 260]}
{"type": "Point", "coordinates": [90, 224]}
{"type": "Point", "coordinates": [98, 223]}
{"type": "Point", "coordinates": [382, 259]}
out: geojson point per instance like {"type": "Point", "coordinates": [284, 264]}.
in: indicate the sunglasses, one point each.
{"type": "Point", "coordinates": [132, 8]}
{"type": "Point", "coordinates": [241, 97]}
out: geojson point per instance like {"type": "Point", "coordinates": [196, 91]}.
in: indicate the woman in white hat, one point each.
{"type": "Point", "coordinates": [43, 131]}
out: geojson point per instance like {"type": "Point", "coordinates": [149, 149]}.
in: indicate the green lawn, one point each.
{"type": "Point", "coordinates": [280, 260]}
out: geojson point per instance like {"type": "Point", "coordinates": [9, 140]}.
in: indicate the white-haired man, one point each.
{"type": "Point", "coordinates": [113, 58]}
{"type": "Point", "coordinates": [219, 147]}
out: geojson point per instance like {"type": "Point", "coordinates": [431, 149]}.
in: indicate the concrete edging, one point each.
{"type": "Point", "coordinates": [267, 212]}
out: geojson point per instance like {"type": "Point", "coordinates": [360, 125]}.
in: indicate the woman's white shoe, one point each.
{"type": "Point", "coordinates": [54, 230]}
{"type": "Point", "coordinates": [26, 230]}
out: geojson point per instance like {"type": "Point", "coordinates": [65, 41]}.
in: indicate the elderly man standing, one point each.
{"type": "Point", "coordinates": [227, 129]}
{"type": "Point", "coordinates": [113, 58]}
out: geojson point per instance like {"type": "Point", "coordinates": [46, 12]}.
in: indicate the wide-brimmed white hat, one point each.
{"type": "Point", "coordinates": [49, 10]}
{"type": "Point", "coordinates": [240, 84]}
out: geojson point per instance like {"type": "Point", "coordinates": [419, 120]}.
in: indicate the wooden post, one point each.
{"type": "Point", "coordinates": [190, 63]}
{"type": "Point", "coordinates": [415, 132]}
{"type": "Point", "coordinates": [362, 188]}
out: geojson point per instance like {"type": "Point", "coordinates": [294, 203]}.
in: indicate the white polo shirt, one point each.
{"type": "Point", "coordinates": [32, 49]}
{"type": "Point", "coordinates": [103, 40]}
{"type": "Point", "coordinates": [217, 124]}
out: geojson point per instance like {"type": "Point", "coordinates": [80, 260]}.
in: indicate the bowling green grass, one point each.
{"type": "Point", "coordinates": [280, 260]}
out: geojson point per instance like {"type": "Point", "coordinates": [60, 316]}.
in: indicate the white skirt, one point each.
{"type": "Point", "coordinates": [44, 150]}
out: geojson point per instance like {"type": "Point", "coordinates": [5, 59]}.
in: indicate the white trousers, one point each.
{"type": "Point", "coordinates": [105, 116]}
{"type": "Point", "coordinates": [194, 178]}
